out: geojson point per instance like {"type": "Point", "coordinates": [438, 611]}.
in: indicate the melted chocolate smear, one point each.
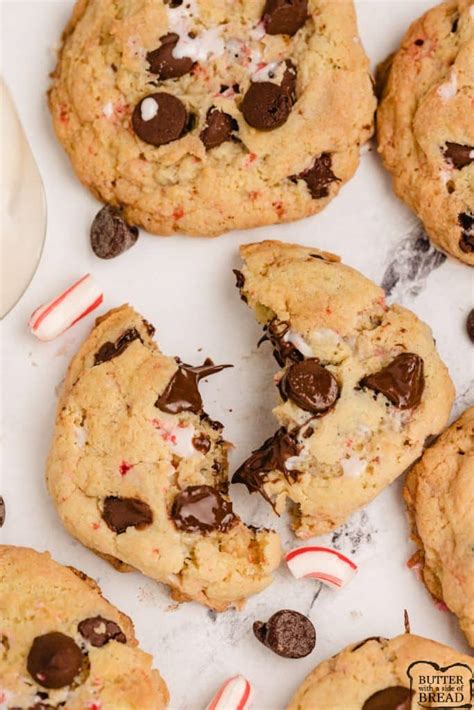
{"type": "Point", "coordinates": [458, 155]}
{"type": "Point", "coordinates": [466, 242]}
{"type": "Point", "coordinates": [266, 106]}
{"type": "Point", "coordinates": [169, 123]}
{"type": "Point", "coordinates": [202, 443]}
{"type": "Point", "coordinates": [2, 511]}
{"type": "Point", "coordinates": [99, 631]}
{"type": "Point", "coordinates": [219, 127]}
{"type": "Point", "coordinates": [310, 386]}
{"type": "Point", "coordinates": [284, 17]}
{"type": "Point", "coordinates": [271, 456]}
{"type": "Point", "coordinates": [275, 332]}
{"type": "Point", "coordinates": [470, 332]}
{"type": "Point", "coordinates": [202, 509]}
{"type": "Point", "coordinates": [109, 350]}
{"type": "Point", "coordinates": [379, 639]}
{"type": "Point", "coordinates": [164, 64]}
{"type": "Point", "coordinates": [123, 513]}
{"type": "Point", "coordinates": [287, 633]}
{"type": "Point", "coordinates": [240, 283]}
{"type": "Point", "coordinates": [318, 177]}
{"type": "Point", "coordinates": [288, 83]}
{"type": "Point", "coordinates": [54, 660]}
{"type": "Point", "coordinates": [181, 393]}
{"type": "Point", "coordinates": [394, 698]}
{"type": "Point", "coordinates": [402, 381]}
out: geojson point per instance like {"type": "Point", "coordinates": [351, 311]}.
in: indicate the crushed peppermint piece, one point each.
{"type": "Point", "coordinates": [449, 89]}
{"type": "Point", "coordinates": [148, 109]}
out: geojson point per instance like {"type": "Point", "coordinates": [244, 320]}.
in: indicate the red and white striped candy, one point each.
{"type": "Point", "coordinates": [235, 694]}
{"type": "Point", "coordinates": [322, 563]}
{"type": "Point", "coordinates": [53, 318]}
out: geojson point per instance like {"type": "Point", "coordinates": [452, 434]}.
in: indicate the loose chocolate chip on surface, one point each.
{"type": "Point", "coordinates": [395, 698]}
{"type": "Point", "coordinates": [470, 332]}
{"type": "Point", "coordinates": [159, 119]}
{"type": "Point", "coordinates": [2, 511]}
{"type": "Point", "coordinates": [99, 631]}
{"type": "Point", "coordinates": [164, 64]}
{"type": "Point", "coordinates": [318, 177]}
{"type": "Point", "coordinates": [466, 242]}
{"type": "Point", "coordinates": [54, 660]}
{"type": "Point", "coordinates": [402, 381]}
{"type": "Point", "coordinates": [109, 350]}
{"type": "Point", "coordinates": [123, 513]}
{"type": "Point", "coordinates": [459, 155]}
{"type": "Point", "coordinates": [181, 393]}
{"type": "Point", "coordinates": [202, 443]}
{"type": "Point", "coordinates": [284, 17]}
{"type": "Point", "coordinates": [266, 106]}
{"type": "Point", "coordinates": [218, 128]}
{"type": "Point", "coordinates": [283, 349]}
{"type": "Point", "coordinates": [202, 509]}
{"type": "Point", "coordinates": [310, 386]}
{"type": "Point", "coordinates": [287, 633]}
{"type": "Point", "coordinates": [110, 235]}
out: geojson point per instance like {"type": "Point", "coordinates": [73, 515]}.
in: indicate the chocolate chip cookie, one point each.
{"type": "Point", "coordinates": [182, 112]}
{"type": "Point", "coordinates": [138, 470]}
{"type": "Point", "coordinates": [425, 125]}
{"type": "Point", "coordinates": [382, 674]}
{"type": "Point", "coordinates": [439, 493]}
{"type": "Point", "coordinates": [361, 385]}
{"type": "Point", "coordinates": [63, 645]}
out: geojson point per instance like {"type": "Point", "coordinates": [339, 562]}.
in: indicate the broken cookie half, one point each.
{"type": "Point", "coordinates": [138, 470]}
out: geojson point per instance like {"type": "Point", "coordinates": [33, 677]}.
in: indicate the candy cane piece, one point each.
{"type": "Point", "coordinates": [235, 694]}
{"type": "Point", "coordinates": [321, 563]}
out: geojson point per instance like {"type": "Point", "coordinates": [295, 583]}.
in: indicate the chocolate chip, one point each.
{"type": "Point", "coordinates": [454, 24]}
{"type": "Point", "coordinates": [164, 64]}
{"type": "Point", "coordinates": [318, 177]}
{"type": "Point", "coordinates": [109, 350]}
{"type": "Point", "coordinates": [202, 443]}
{"type": "Point", "coordinates": [266, 106]}
{"type": "Point", "coordinates": [181, 393]}
{"type": "Point", "coordinates": [458, 155]}
{"type": "Point", "coordinates": [379, 639]}
{"type": "Point", "coordinates": [202, 509]}
{"type": "Point", "coordinates": [161, 120]}
{"type": "Point", "coordinates": [218, 128]}
{"type": "Point", "coordinates": [283, 350]}
{"type": "Point", "coordinates": [99, 631]}
{"type": "Point", "coordinates": [123, 513]}
{"type": "Point", "coordinates": [54, 660]}
{"type": "Point", "coordinates": [284, 17]}
{"type": "Point", "coordinates": [394, 698]}
{"type": "Point", "coordinates": [287, 633]}
{"type": "Point", "coordinates": [419, 42]}
{"type": "Point", "coordinates": [288, 82]}
{"type": "Point", "coordinates": [470, 332]}
{"type": "Point", "coordinates": [402, 381]}
{"type": "Point", "coordinates": [110, 234]}
{"type": "Point", "coordinates": [310, 386]}
{"type": "Point", "coordinates": [466, 242]}
{"type": "Point", "coordinates": [2, 511]}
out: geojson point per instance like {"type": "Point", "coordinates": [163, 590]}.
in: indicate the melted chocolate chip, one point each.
{"type": "Point", "coordinates": [123, 513]}
{"type": "Point", "coordinates": [181, 393]}
{"type": "Point", "coordinates": [202, 443]}
{"type": "Point", "coordinates": [458, 155]}
{"type": "Point", "coordinates": [218, 128]}
{"type": "Point", "coordinates": [240, 283]}
{"type": "Point", "coordinates": [318, 177]}
{"type": "Point", "coordinates": [54, 660]}
{"type": "Point", "coordinates": [466, 242]}
{"type": "Point", "coordinates": [266, 106]}
{"type": "Point", "coordinates": [394, 698]}
{"type": "Point", "coordinates": [110, 234]}
{"type": "Point", "coordinates": [167, 125]}
{"type": "Point", "coordinates": [202, 509]}
{"type": "Point", "coordinates": [2, 511]}
{"type": "Point", "coordinates": [310, 386]}
{"type": "Point", "coordinates": [164, 64]}
{"type": "Point", "coordinates": [288, 83]}
{"type": "Point", "coordinates": [454, 24]}
{"type": "Point", "coordinates": [469, 329]}
{"type": "Point", "coordinates": [99, 631]}
{"type": "Point", "coordinates": [283, 350]}
{"type": "Point", "coordinates": [402, 381]}
{"type": "Point", "coordinates": [287, 633]}
{"type": "Point", "coordinates": [379, 639]}
{"type": "Point", "coordinates": [109, 350]}
{"type": "Point", "coordinates": [284, 17]}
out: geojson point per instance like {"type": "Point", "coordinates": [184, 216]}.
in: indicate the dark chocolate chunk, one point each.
{"type": "Point", "coordinates": [202, 509]}
{"type": "Point", "coordinates": [470, 332]}
{"type": "Point", "coordinates": [2, 511]}
{"type": "Point", "coordinates": [54, 660]}
{"type": "Point", "coordinates": [394, 698]}
{"type": "Point", "coordinates": [99, 631]}
{"type": "Point", "coordinates": [458, 155]}
{"type": "Point", "coordinates": [310, 386]}
{"type": "Point", "coordinates": [288, 83]}
{"type": "Point", "coordinates": [266, 106]}
{"type": "Point", "coordinates": [109, 350]}
{"type": "Point", "coordinates": [283, 350]}
{"type": "Point", "coordinates": [166, 124]}
{"type": "Point", "coordinates": [123, 513]}
{"type": "Point", "coordinates": [110, 234]}
{"type": "Point", "coordinates": [287, 633]}
{"type": "Point", "coordinates": [218, 128]}
{"type": "Point", "coordinates": [402, 381]}
{"type": "Point", "coordinates": [284, 17]}
{"type": "Point", "coordinates": [202, 443]}
{"type": "Point", "coordinates": [164, 64]}
{"type": "Point", "coordinates": [466, 242]}
{"type": "Point", "coordinates": [318, 177]}
{"type": "Point", "coordinates": [181, 393]}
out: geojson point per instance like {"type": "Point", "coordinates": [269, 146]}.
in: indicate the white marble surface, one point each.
{"type": "Point", "coordinates": [185, 287]}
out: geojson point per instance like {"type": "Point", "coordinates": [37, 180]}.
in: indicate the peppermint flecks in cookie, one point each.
{"type": "Point", "coordinates": [159, 119]}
